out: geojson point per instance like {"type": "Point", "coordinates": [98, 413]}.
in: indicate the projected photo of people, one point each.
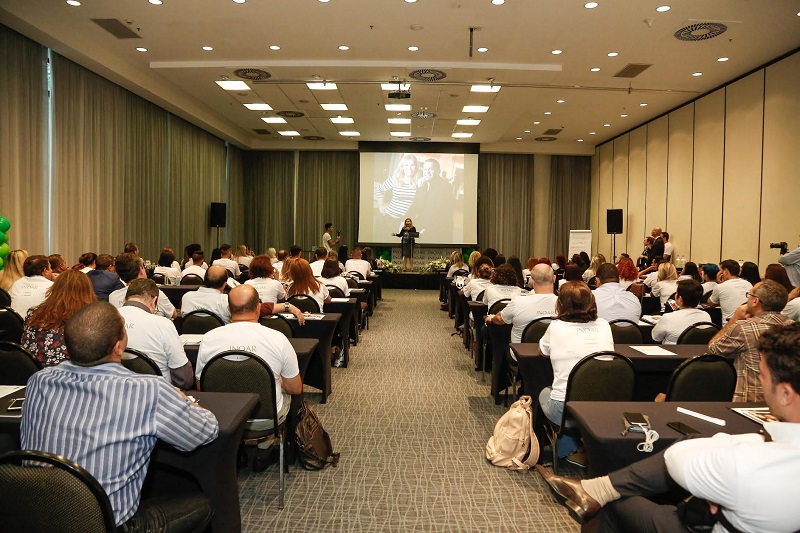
{"type": "Point", "coordinates": [401, 187]}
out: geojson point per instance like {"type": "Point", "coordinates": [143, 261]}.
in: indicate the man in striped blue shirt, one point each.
{"type": "Point", "coordinates": [94, 411]}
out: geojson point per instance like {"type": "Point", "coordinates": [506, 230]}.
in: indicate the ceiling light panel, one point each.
{"type": "Point", "coordinates": [289, 133]}
{"type": "Point", "coordinates": [258, 107]}
{"type": "Point", "coordinates": [475, 109]}
{"type": "Point", "coordinates": [461, 135]}
{"type": "Point", "coordinates": [233, 85]}
{"type": "Point", "coordinates": [334, 107]}
{"type": "Point", "coordinates": [400, 133]}
{"type": "Point", "coordinates": [349, 133]}
{"type": "Point", "coordinates": [397, 107]}
{"type": "Point", "coordinates": [274, 120]}
{"type": "Point", "coordinates": [395, 86]}
{"type": "Point", "coordinates": [342, 120]}
{"type": "Point", "coordinates": [485, 89]}
{"type": "Point", "coordinates": [468, 122]}
{"type": "Point", "coordinates": [322, 86]}
{"type": "Point", "coordinates": [399, 120]}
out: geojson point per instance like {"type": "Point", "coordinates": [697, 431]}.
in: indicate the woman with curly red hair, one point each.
{"type": "Point", "coordinates": [628, 273]}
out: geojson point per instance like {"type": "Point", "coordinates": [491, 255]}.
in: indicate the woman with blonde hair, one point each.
{"type": "Point", "coordinates": [457, 263]}
{"type": "Point", "coordinates": [666, 284]}
{"type": "Point", "coordinates": [13, 269]}
{"type": "Point", "coordinates": [591, 272]}
{"type": "Point", "coordinates": [304, 282]}
{"type": "Point", "coordinates": [474, 256]}
{"type": "Point", "coordinates": [242, 256]}
{"type": "Point", "coordinates": [43, 334]}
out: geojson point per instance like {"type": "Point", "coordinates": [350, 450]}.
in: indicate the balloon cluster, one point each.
{"type": "Point", "coordinates": [5, 225]}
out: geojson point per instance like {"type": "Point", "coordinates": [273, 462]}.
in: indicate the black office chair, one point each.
{"type": "Point", "coordinates": [498, 306]}
{"type": "Point", "coordinates": [705, 378]}
{"type": "Point", "coordinates": [5, 298]}
{"type": "Point", "coordinates": [335, 292]}
{"type": "Point", "coordinates": [699, 333]}
{"type": "Point", "coordinates": [651, 305]}
{"type": "Point", "coordinates": [304, 302]}
{"type": "Point", "coordinates": [199, 322]}
{"type": "Point", "coordinates": [17, 364]}
{"type": "Point", "coordinates": [602, 377]}
{"type": "Point", "coordinates": [191, 279]}
{"type": "Point", "coordinates": [352, 283]}
{"type": "Point", "coordinates": [705, 297]}
{"type": "Point", "coordinates": [355, 274]}
{"type": "Point", "coordinates": [278, 323]}
{"type": "Point", "coordinates": [10, 325]}
{"type": "Point", "coordinates": [625, 332]}
{"type": "Point", "coordinates": [532, 333]}
{"type": "Point", "coordinates": [479, 297]}
{"type": "Point", "coordinates": [139, 362]}
{"type": "Point", "coordinates": [41, 491]}
{"type": "Point", "coordinates": [248, 373]}
{"type": "Point", "coordinates": [460, 272]}
{"type": "Point", "coordinates": [160, 279]}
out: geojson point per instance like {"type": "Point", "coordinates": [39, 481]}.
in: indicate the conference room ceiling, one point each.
{"type": "Point", "coordinates": [520, 35]}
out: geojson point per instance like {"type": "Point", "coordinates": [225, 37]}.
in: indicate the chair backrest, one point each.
{"type": "Point", "coordinates": [304, 302]}
{"type": "Point", "coordinates": [602, 377]}
{"type": "Point", "coordinates": [651, 305]}
{"type": "Point", "coordinates": [705, 297]}
{"type": "Point", "coordinates": [191, 279]}
{"type": "Point", "coordinates": [355, 274]}
{"type": "Point", "coordinates": [60, 496]}
{"type": "Point", "coordinates": [352, 283]}
{"type": "Point", "coordinates": [705, 378]}
{"type": "Point", "coordinates": [625, 332]}
{"type": "Point", "coordinates": [278, 323]}
{"type": "Point", "coordinates": [158, 278]}
{"type": "Point", "coordinates": [5, 298]}
{"type": "Point", "coordinates": [638, 289]}
{"type": "Point", "coordinates": [10, 325]}
{"type": "Point", "coordinates": [460, 272]}
{"type": "Point", "coordinates": [139, 362]}
{"type": "Point", "coordinates": [535, 329]}
{"type": "Point", "coordinates": [479, 297]}
{"type": "Point", "coordinates": [499, 305]}
{"type": "Point", "coordinates": [230, 273]}
{"type": "Point", "coordinates": [200, 322]}
{"type": "Point", "coordinates": [698, 333]}
{"type": "Point", "coordinates": [335, 292]}
{"type": "Point", "coordinates": [667, 308]}
{"type": "Point", "coordinates": [17, 364]}
{"type": "Point", "coordinates": [243, 372]}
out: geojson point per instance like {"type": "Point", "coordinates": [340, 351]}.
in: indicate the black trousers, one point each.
{"type": "Point", "coordinates": [183, 514]}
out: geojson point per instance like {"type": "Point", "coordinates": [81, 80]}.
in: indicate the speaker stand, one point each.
{"type": "Point", "coordinates": [614, 248]}
{"type": "Point", "coordinates": [218, 227]}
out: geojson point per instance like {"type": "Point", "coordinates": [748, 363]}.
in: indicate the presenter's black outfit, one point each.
{"type": "Point", "coordinates": [407, 243]}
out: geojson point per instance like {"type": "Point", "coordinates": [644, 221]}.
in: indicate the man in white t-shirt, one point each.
{"type": "Point", "coordinates": [154, 335]}
{"type": "Point", "coordinates": [356, 264]}
{"type": "Point", "coordinates": [198, 266]}
{"type": "Point", "coordinates": [614, 302]}
{"type": "Point", "coordinates": [669, 249]}
{"type": "Point", "coordinates": [130, 267]}
{"type": "Point", "coordinates": [320, 254]}
{"type": "Point", "coordinates": [328, 242]}
{"type": "Point", "coordinates": [670, 326]}
{"type": "Point", "coordinates": [522, 310]}
{"type": "Point", "coordinates": [731, 290]}
{"type": "Point", "coordinates": [31, 290]}
{"type": "Point", "coordinates": [278, 265]}
{"type": "Point", "coordinates": [226, 262]}
{"type": "Point", "coordinates": [211, 297]}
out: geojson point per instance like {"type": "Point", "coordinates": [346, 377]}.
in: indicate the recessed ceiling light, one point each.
{"type": "Point", "coordinates": [696, 74]}
{"type": "Point", "coordinates": [410, 1]}
{"type": "Point", "coordinates": [623, 115]}
{"type": "Point", "coordinates": [289, 133]}
{"type": "Point", "coordinates": [321, 86]}
{"type": "Point", "coordinates": [527, 131]}
{"type": "Point", "coordinates": [475, 108]}
{"type": "Point", "coordinates": [274, 47]}
{"type": "Point", "coordinates": [519, 138]}
{"type": "Point", "coordinates": [274, 120]}
{"type": "Point", "coordinates": [73, 3]}
{"type": "Point", "coordinates": [591, 133]}
{"type": "Point", "coordinates": [233, 85]}
{"type": "Point", "coordinates": [395, 86]}
{"type": "Point", "coordinates": [334, 107]}
{"type": "Point", "coordinates": [400, 133]}
{"type": "Point", "coordinates": [258, 107]}
{"type": "Point", "coordinates": [579, 140]}
{"type": "Point", "coordinates": [485, 89]}
{"type": "Point", "coordinates": [483, 49]}
{"type": "Point", "coordinates": [606, 125]}
{"type": "Point", "coordinates": [154, 2]}
{"type": "Point", "coordinates": [141, 49]}
{"type": "Point", "coordinates": [643, 104]}
{"type": "Point", "coordinates": [536, 122]}
{"type": "Point", "coordinates": [468, 122]}
{"type": "Point", "coordinates": [590, 5]}
{"type": "Point", "coordinates": [498, 2]}
{"type": "Point", "coordinates": [595, 69]}
{"type": "Point", "coordinates": [556, 52]}
{"type": "Point", "coordinates": [548, 113]}
{"type": "Point", "coordinates": [722, 59]}
{"type": "Point", "coordinates": [461, 135]}
{"type": "Point", "coordinates": [397, 107]}
{"type": "Point", "coordinates": [398, 120]}
{"type": "Point", "coordinates": [324, 1]}
{"type": "Point", "coordinates": [238, 1]}
{"type": "Point", "coordinates": [613, 54]}
{"type": "Point", "coordinates": [342, 120]}
{"type": "Point", "coordinates": [208, 48]}
{"type": "Point", "coordinates": [662, 9]}
{"type": "Point", "coordinates": [413, 48]}
{"type": "Point", "coordinates": [560, 101]}
{"type": "Point", "coordinates": [344, 47]}
{"type": "Point", "coordinates": [349, 133]}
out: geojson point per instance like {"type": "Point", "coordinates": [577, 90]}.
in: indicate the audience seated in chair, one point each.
{"type": "Point", "coordinates": [262, 279]}
{"type": "Point", "coordinates": [669, 328]}
{"type": "Point", "coordinates": [613, 301]}
{"type": "Point", "coordinates": [130, 267]}
{"type": "Point", "coordinates": [31, 289]}
{"type": "Point", "coordinates": [525, 308]}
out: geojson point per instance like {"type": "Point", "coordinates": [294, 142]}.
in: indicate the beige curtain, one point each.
{"type": "Point", "coordinates": [235, 232]}
{"type": "Point", "coordinates": [505, 203]}
{"type": "Point", "coordinates": [570, 197]}
{"type": "Point", "coordinates": [267, 200]}
{"type": "Point", "coordinates": [23, 133]}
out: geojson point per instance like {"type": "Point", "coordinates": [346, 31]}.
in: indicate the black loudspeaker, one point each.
{"type": "Point", "coordinates": [217, 215]}
{"type": "Point", "coordinates": [613, 221]}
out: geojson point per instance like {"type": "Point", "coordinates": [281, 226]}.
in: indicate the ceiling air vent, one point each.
{"type": "Point", "coordinates": [262, 131]}
{"type": "Point", "coordinates": [290, 114]}
{"type": "Point", "coordinates": [701, 31]}
{"type": "Point", "coordinates": [313, 138]}
{"type": "Point", "coordinates": [252, 74]}
{"type": "Point", "coordinates": [419, 139]}
{"type": "Point", "coordinates": [552, 131]}
{"type": "Point", "coordinates": [117, 28]}
{"type": "Point", "coordinates": [427, 74]}
{"type": "Point", "coordinates": [631, 70]}
{"type": "Point", "coordinates": [545, 139]}
{"type": "Point", "coordinates": [423, 114]}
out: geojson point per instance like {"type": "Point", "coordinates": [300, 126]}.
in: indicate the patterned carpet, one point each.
{"type": "Point", "coordinates": [411, 421]}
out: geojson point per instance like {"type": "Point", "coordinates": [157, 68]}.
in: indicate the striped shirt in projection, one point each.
{"type": "Point", "coordinates": [402, 196]}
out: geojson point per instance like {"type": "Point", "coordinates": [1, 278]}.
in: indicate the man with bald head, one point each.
{"type": "Point", "coordinates": [521, 310]}
{"type": "Point", "coordinates": [211, 297]}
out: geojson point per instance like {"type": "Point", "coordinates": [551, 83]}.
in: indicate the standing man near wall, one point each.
{"type": "Point", "coordinates": [327, 238]}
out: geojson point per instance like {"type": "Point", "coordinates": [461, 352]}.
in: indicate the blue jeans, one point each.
{"type": "Point", "coordinates": [554, 411]}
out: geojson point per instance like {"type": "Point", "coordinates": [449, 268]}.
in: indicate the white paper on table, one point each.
{"type": "Point", "coordinates": [313, 316]}
{"type": "Point", "coordinates": [649, 320]}
{"type": "Point", "coordinates": [340, 300]}
{"type": "Point", "coordinates": [191, 338]}
{"type": "Point", "coordinates": [5, 390]}
{"type": "Point", "coordinates": [652, 350]}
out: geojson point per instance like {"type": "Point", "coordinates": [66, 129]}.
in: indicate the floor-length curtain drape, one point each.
{"type": "Point", "coordinates": [570, 197]}
{"type": "Point", "coordinates": [505, 203]}
{"type": "Point", "coordinates": [327, 191]}
{"type": "Point", "coordinates": [236, 197]}
{"type": "Point", "coordinates": [23, 113]}
{"type": "Point", "coordinates": [268, 200]}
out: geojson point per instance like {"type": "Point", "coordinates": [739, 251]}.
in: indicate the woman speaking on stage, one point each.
{"type": "Point", "coordinates": [407, 242]}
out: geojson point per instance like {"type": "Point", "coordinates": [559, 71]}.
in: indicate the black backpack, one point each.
{"type": "Point", "coordinates": [314, 447]}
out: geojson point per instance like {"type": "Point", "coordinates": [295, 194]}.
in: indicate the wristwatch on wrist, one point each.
{"type": "Point", "coordinates": [285, 307]}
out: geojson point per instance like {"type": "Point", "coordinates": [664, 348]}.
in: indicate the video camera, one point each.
{"type": "Point", "coordinates": [782, 245]}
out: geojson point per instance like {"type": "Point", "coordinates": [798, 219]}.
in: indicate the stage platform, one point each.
{"type": "Point", "coordinates": [411, 280]}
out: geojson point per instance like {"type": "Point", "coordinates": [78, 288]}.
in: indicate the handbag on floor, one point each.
{"type": "Point", "coordinates": [314, 447]}
{"type": "Point", "coordinates": [513, 444]}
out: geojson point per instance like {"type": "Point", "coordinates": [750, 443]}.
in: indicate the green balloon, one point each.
{"type": "Point", "coordinates": [5, 224]}
{"type": "Point", "coordinates": [3, 237]}
{"type": "Point", "coordinates": [4, 249]}
{"type": "Point", "coordinates": [2, 263]}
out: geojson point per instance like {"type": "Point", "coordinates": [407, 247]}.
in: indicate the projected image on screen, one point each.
{"type": "Point", "coordinates": [436, 191]}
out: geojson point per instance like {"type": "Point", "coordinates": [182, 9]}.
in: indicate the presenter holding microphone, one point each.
{"type": "Point", "coordinates": [407, 235]}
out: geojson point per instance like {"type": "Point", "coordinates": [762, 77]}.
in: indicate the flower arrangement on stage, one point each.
{"type": "Point", "coordinates": [435, 266]}
{"type": "Point", "coordinates": [386, 265]}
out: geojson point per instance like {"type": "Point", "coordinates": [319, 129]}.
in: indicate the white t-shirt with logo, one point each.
{"type": "Point", "coordinates": [269, 290]}
{"type": "Point", "coordinates": [206, 299]}
{"type": "Point", "coordinates": [28, 292]}
{"type": "Point", "coordinates": [669, 327]}
{"type": "Point", "coordinates": [163, 306]}
{"type": "Point", "coordinates": [155, 336]}
{"type": "Point", "coordinates": [524, 309]}
{"type": "Point", "coordinates": [729, 295]}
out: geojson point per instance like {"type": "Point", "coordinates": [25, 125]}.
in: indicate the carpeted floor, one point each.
{"type": "Point", "coordinates": [411, 420]}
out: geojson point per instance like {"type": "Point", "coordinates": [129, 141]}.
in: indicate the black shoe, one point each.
{"type": "Point", "coordinates": [263, 459]}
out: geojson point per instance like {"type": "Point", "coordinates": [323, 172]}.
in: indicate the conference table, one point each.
{"type": "Point", "coordinates": [212, 467]}
{"type": "Point", "coordinates": [601, 426]}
